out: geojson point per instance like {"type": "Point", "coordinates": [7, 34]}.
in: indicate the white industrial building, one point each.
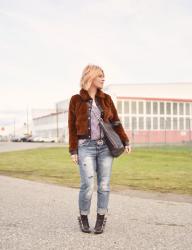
{"type": "Point", "coordinates": [150, 113]}
{"type": "Point", "coordinates": [52, 124]}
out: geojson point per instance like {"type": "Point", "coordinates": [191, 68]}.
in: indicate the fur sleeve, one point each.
{"type": "Point", "coordinates": [73, 139]}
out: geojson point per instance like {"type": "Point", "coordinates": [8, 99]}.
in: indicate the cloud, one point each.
{"type": "Point", "coordinates": [46, 44]}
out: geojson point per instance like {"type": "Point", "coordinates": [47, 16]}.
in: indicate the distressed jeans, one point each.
{"type": "Point", "coordinates": [94, 158]}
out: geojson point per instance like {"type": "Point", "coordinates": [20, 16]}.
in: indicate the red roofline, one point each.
{"type": "Point", "coordinates": [153, 98]}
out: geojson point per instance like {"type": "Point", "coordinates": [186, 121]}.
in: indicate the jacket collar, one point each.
{"type": "Point", "coordinates": [85, 95]}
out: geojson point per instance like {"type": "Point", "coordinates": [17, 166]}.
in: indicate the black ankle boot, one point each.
{"type": "Point", "coordinates": [84, 223]}
{"type": "Point", "coordinates": [100, 224]}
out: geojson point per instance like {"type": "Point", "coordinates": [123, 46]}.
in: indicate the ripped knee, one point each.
{"type": "Point", "coordinates": [88, 182]}
{"type": "Point", "coordinates": [104, 187]}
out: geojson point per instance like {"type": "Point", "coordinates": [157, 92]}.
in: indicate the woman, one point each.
{"type": "Point", "coordinates": [87, 144]}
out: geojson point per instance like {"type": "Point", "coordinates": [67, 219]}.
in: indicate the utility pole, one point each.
{"type": "Point", "coordinates": [14, 127]}
{"type": "Point", "coordinates": [27, 122]}
{"type": "Point", "coordinates": [57, 125]}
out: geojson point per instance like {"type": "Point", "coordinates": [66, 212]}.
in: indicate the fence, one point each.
{"type": "Point", "coordinates": [161, 131]}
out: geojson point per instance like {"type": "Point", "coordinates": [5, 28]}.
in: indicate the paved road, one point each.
{"type": "Point", "coordinates": [13, 146]}
{"type": "Point", "coordinates": [41, 216]}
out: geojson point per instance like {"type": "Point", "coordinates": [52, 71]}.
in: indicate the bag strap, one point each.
{"type": "Point", "coordinates": [99, 118]}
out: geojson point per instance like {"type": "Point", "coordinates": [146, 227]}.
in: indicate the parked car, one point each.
{"type": "Point", "coordinates": [44, 139]}
{"type": "Point", "coordinates": [30, 139]}
{"type": "Point", "coordinates": [37, 139]}
{"type": "Point", "coordinates": [48, 139]}
{"type": "Point", "coordinates": [24, 138]}
{"type": "Point", "coordinates": [16, 139]}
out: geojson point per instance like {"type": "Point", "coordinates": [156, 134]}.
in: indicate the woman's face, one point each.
{"type": "Point", "coordinates": [99, 81]}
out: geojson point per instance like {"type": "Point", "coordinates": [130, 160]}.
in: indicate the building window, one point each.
{"type": "Point", "coordinates": [133, 108]}
{"type": "Point", "coordinates": [175, 123]}
{"type": "Point", "coordinates": [162, 123]}
{"type": "Point", "coordinates": [155, 123]}
{"type": "Point", "coordinates": [148, 122]}
{"type": "Point", "coordinates": [175, 108]}
{"type": "Point", "coordinates": [181, 109]}
{"type": "Point", "coordinates": [168, 108]}
{"type": "Point", "coordinates": [155, 108]}
{"type": "Point", "coordinates": [187, 109]}
{"type": "Point", "coordinates": [168, 123]}
{"type": "Point", "coordinates": [148, 108]}
{"type": "Point", "coordinates": [119, 107]}
{"type": "Point", "coordinates": [126, 122]}
{"type": "Point", "coordinates": [162, 109]}
{"type": "Point", "coordinates": [134, 123]}
{"type": "Point", "coordinates": [140, 107]}
{"type": "Point", "coordinates": [181, 123]}
{"type": "Point", "coordinates": [126, 107]}
{"type": "Point", "coordinates": [141, 122]}
{"type": "Point", "coordinates": [188, 125]}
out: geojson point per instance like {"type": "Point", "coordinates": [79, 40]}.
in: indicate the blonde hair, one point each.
{"type": "Point", "coordinates": [89, 73]}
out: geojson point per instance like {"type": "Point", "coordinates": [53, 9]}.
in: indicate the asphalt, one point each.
{"type": "Point", "coordinates": [41, 216]}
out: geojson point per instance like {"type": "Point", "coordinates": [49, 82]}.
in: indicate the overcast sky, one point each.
{"type": "Point", "coordinates": [45, 44]}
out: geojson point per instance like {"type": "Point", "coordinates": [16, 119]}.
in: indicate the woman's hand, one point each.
{"type": "Point", "coordinates": [128, 149]}
{"type": "Point", "coordinates": [74, 158]}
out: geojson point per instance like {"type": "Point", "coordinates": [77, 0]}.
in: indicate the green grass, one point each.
{"type": "Point", "coordinates": [164, 169]}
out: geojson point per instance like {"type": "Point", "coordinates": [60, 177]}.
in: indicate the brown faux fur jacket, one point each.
{"type": "Point", "coordinates": [79, 117]}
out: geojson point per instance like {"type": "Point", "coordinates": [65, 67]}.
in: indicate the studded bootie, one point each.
{"type": "Point", "coordinates": [84, 223]}
{"type": "Point", "coordinates": [100, 224]}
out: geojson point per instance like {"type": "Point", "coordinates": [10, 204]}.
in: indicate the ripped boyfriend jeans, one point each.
{"type": "Point", "coordinates": [94, 158]}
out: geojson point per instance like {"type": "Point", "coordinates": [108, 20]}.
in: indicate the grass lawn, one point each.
{"type": "Point", "coordinates": [164, 169]}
